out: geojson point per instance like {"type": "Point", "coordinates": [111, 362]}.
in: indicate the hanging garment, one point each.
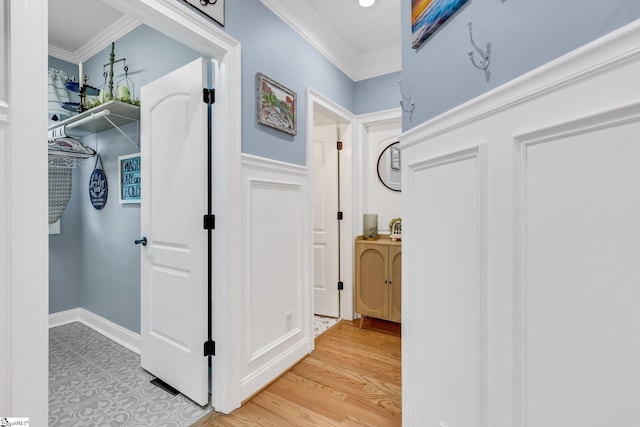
{"type": "Point", "coordinates": [59, 189]}
{"type": "Point", "coordinates": [69, 147]}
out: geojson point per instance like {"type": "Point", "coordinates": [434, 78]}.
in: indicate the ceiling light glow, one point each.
{"type": "Point", "coordinates": [366, 3]}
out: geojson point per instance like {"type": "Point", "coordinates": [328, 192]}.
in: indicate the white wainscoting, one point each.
{"type": "Point", "coordinates": [578, 279]}
{"type": "Point", "coordinates": [521, 248]}
{"type": "Point", "coordinates": [449, 303]}
{"type": "Point", "coordinates": [276, 284]}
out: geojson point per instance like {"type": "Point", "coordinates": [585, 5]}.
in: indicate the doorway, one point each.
{"type": "Point", "coordinates": [211, 42]}
{"type": "Point", "coordinates": [330, 147]}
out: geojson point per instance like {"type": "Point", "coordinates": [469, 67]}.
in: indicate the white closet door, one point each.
{"type": "Point", "coordinates": [174, 200]}
{"type": "Point", "coordinates": [325, 223]}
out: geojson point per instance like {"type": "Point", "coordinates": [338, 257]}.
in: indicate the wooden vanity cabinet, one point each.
{"type": "Point", "coordinates": [378, 278]}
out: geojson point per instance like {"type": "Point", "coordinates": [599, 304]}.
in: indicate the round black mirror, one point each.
{"type": "Point", "coordinates": [389, 167]}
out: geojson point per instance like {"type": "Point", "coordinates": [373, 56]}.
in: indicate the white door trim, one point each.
{"type": "Point", "coordinates": [346, 192]}
{"type": "Point", "coordinates": [362, 123]}
{"type": "Point", "coordinates": [24, 266]}
{"type": "Point", "coordinates": [180, 22]}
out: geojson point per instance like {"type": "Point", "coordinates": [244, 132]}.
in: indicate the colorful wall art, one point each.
{"type": "Point", "coordinates": [428, 15]}
{"type": "Point", "coordinates": [276, 105]}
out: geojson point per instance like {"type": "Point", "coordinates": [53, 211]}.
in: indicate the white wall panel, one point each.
{"type": "Point", "coordinates": [450, 301]}
{"type": "Point", "coordinates": [275, 264]}
{"type": "Point", "coordinates": [276, 285]}
{"type": "Point", "coordinates": [558, 315]}
{"type": "Point", "coordinates": [580, 203]}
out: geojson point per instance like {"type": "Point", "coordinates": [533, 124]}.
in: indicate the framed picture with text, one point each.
{"type": "Point", "coordinates": [129, 177]}
{"type": "Point", "coordinates": [213, 9]}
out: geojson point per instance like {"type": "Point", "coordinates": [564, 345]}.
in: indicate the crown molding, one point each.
{"type": "Point", "coordinates": [62, 54]}
{"type": "Point", "coordinates": [114, 32]}
{"type": "Point", "coordinates": [378, 63]}
{"type": "Point", "coordinates": [322, 37]}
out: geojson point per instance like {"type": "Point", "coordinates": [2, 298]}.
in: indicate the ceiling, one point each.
{"type": "Point", "coordinates": [362, 42]}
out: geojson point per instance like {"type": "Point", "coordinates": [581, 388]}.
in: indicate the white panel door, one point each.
{"type": "Point", "coordinates": [325, 224]}
{"type": "Point", "coordinates": [174, 200]}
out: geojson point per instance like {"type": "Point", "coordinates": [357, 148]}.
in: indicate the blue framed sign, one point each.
{"type": "Point", "coordinates": [129, 174]}
{"type": "Point", "coordinates": [98, 187]}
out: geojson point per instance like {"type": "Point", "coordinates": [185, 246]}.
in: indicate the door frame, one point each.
{"type": "Point", "coordinates": [363, 123]}
{"type": "Point", "coordinates": [196, 31]}
{"type": "Point", "coordinates": [23, 209]}
{"type": "Point", "coordinates": [24, 262]}
{"type": "Point", "coordinates": [314, 100]}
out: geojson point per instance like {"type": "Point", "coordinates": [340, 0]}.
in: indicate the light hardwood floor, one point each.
{"type": "Point", "coordinates": [352, 378]}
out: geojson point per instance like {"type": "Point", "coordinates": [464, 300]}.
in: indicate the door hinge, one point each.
{"type": "Point", "coordinates": [340, 215]}
{"type": "Point", "coordinates": [209, 96]}
{"type": "Point", "coordinates": [339, 145]}
{"type": "Point", "coordinates": [340, 286]}
{"type": "Point", "coordinates": [210, 348]}
{"type": "Point", "coordinates": [209, 222]}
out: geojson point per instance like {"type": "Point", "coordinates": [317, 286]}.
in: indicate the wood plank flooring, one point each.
{"type": "Point", "coordinates": [352, 378]}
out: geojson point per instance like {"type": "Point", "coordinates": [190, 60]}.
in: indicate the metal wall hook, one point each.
{"type": "Point", "coordinates": [485, 55]}
{"type": "Point", "coordinates": [409, 100]}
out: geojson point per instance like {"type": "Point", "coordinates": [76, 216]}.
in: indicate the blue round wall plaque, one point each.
{"type": "Point", "coordinates": [98, 189]}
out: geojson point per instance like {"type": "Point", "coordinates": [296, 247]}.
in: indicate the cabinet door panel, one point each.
{"type": "Point", "coordinates": [372, 293]}
{"type": "Point", "coordinates": [395, 287]}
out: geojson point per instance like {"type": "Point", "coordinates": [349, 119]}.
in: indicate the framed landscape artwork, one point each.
{"type": "Point", "coordinates": [428, 15]}
{"type": "Point", "coordinates": [276, 105]}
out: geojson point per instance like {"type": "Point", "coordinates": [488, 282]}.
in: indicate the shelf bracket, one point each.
{"type": "Point", "coordinates": [121, 131]}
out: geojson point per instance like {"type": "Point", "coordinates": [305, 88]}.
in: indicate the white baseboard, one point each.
{"type": "Point", "coordinates": [115, 332]}
{"type": "Point", "coordinates": [276, 367]}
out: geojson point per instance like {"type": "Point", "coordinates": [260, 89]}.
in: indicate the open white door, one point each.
{"type": "Point", "coordinates": [174, 200]}
{"type": "Point", "coordinates": [326, 244]}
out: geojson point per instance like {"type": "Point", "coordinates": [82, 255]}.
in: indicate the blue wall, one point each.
{"type": "Point", "coordinates": [523, 35]}
{"type": "Point", "coordinates": [65, 252]}
{"type": "Point", "coordinates": [271, 47]}
{"type": "Point", "coordinates": [66, 266]}
{"type": "Point", "coordinates": [150, 55]}
{"type": "Point", "coordinates": [377, 93]}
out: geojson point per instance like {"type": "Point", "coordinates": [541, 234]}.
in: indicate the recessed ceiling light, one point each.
{"type": "Point", "coordinates": [366, 3]}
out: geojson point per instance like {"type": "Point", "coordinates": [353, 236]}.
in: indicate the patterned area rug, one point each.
{"type": "Point", "coordinates": [322, 323]}
{"type": "Point", "coordinates": [95, 382]}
